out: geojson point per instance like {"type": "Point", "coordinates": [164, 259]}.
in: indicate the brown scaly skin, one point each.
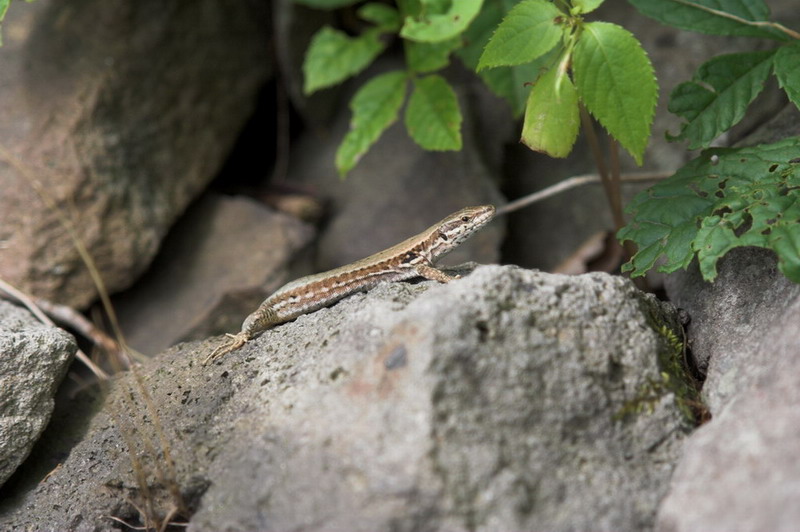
{"type": "Point", "coordinates": [411, 258]}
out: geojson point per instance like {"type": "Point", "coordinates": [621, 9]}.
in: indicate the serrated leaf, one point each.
{"type": "Point", "coordinates": [333, 56]}
{"type": "Point", "coordinates": [375, 107]}
{"type": "Point", "coordinates": [615, 81]}
{"type": "Point", "coordinates": [386, 17]}
{"type": "Point", "coordinates": [436, 27]}
{"type": "Point", "coordinates": [713, 17]}
{"type": "Point", "coordinates": [430, 56]}
{"type": "Point", "coordinates": [787, 70]}
{"type": "Point", "coordinates": [585, 6]}
{"type": "Point", "coordinates": [718, 95]}
{"type": "Point", "coordinates": [551, 116]}
{"type": "Point", "coordinates": [325, 4]}
{"type": "Point", "coordinates": [477, 35]}
{"type": "Point", "coordinates": [726, 198]}
{"type": "Point", "coordinates": [507, 82]}
{"type": "Point", "coordinates": [530, 30]}
{"type": "Point", "coordinates": [433, 118]}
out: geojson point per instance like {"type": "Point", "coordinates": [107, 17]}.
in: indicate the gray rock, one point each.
{"type": "Point", "coordinates": [740, 471]}
{"type": "Point", "coordinates": [490, 403]}
{"type": "Point", "coordinates": [729, 318]}
{"type": "Point", "coordinates": [34, 359]}
{"type": "Point", "coordinates": [223, 258]}
{"type": "Point", "coordinates": [123, 113]}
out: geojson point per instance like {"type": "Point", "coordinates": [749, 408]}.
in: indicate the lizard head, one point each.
{"type": "Point", "coordinates": [459, 226]}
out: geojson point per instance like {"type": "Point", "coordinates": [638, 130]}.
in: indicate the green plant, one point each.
{"type": "Point", "coordinates": [538, 43]}
{"type": "Point", "coordinates": [551, 65]}
{"type": "Point", "coordinates": [673, 378]}
{"type": "Point", "coordinates": [725, 198]}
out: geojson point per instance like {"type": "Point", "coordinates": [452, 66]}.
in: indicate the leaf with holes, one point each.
{"type": "Point", "coordinates": [718, 95]}
{"type": "Point", "coordinates": [726, 198]}
{"type": "Point", "coordinates": [615, 81]}
{"type": "Point", "coordinates": [333, 56]}
{"type": "Point", "coordinates": [375, 107]}
{"type": "Point", "coordinates": [551, 117]}
{"type": "Point", "coordinates": [787, 70]}
{"type": "Point", "coordinates": [432, 117]}
{"type": "Point", "coordinates": [530, 30]}
{"type": "Point", "coordinates": [713, 17]}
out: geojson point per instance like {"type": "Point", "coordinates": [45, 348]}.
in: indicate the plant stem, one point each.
{"type": "Point", "coordinates": [597, 154]}
{"type": "Point", "coordinates": [759, 24]}
{"type": "Point", "coordinates": [613, 184]}
{"type": "Point", "coordinates": [573, 182]}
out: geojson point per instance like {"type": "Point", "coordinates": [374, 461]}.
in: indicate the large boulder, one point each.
{"type": "Point", "coordinates": [509, 399]}
{"type": "Point", "coordinates": [119, 114]}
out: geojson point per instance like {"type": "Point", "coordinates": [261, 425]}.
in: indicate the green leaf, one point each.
{"type": "Point", "coordinates": [430, 56]}
{"type": "Point", "coordinates": [513, 83]}
{"type": "Point", "coordinates": [529, 30]}
{"type": "Point", "coordinates": [718, 95]}
{"type": "Point", "coordinates": [725, 198]}
{"type": "Point", "coordinates": [375, 107]}
{"type": "Point", "coordinates": [387, 18]}
{"type": "Point", "coordinates": [551, 117]}
{"type": "Point", "coordinates": [615, 81]}
{"type": "Point", "coordinates": [326, 4]}
{"type": "Point", "coordinates": [787, 70]}
{"type": "Point", "coordinates": [436, 27]}
{"type": "Point", "coordinates": [507, 82]}
{"type": "Point", "coordinates": [432, 117]}
{"type": "Point", "coordinates": [333, 56]}
{"type": "Point", "coordinates": [585, 6]}
{"type": "Point", "coordinates": [713, 17]}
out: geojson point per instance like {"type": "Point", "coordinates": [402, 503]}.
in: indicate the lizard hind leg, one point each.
{"type": "Point", "coordinates": [235, 342]}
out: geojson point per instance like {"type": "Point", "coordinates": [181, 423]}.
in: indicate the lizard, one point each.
{"type": "Point", "coordinates": [414, 257]}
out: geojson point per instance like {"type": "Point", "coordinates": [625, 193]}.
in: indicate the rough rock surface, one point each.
{"type": "Point", "coordinates": [730, 317]}
{"type": "Point", "coordinates": [397, 189]}
{"type": "Point", "coordinates": [224, 257]}
{"type": "Point", "coordinates": [487, 404]}
{"type": "Point", "coordinates": [33, 360]}
{"type": "Point", "coordinates": [123, 113]}
{"type": "Point", "coordinates": [741, 471]}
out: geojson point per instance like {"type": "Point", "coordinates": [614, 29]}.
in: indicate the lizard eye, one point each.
{"type": "Point", "coordinates": [465, 218]}
{"type": "Point", "coordinates": [443, 237]}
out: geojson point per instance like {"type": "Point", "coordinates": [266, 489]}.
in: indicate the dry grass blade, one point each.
{"type": "Point", "coordinates": [167, 474]}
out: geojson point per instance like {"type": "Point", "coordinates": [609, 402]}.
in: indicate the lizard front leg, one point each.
{"type": "Point", "coordinates": [434, 274]}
